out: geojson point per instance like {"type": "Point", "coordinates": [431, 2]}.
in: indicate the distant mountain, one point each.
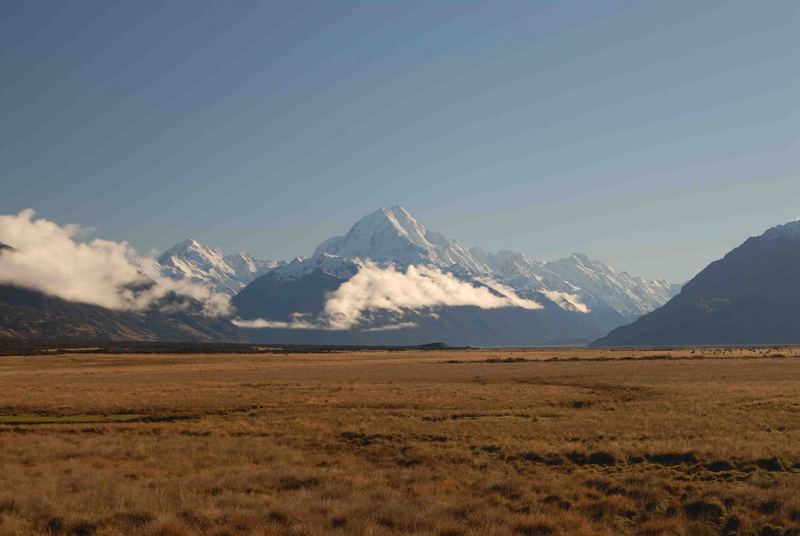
{"type": "Point", "coordinates": [298, 287]}
{"type": "Point", "coordinates": [33, 315]}
{"type": "Point", "coordinates": [29, 314]}
{"type": "Point", "coordinates": [595, 283]}
{"type": "Point", "coordinates": [581, 299]}
{"type": "Point", "coordinates": [227, 273]}
{"type": "Point", "coordinates": [750, 296]}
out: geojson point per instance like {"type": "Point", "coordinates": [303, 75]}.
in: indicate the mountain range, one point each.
{"type": "Point", "coordinates": [389, 280]}
{"type": "Point", "coordinates": [579, 299]}
{"type": "Point", "coordinates": [32, 315]}
{"type": "Point", "coordinates": [502, 298]}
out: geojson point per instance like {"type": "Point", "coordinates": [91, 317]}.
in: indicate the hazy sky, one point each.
{"type": "Point", "coordinates": [651, 135]}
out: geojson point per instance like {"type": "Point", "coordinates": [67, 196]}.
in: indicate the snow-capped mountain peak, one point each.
{"type": "Point", "coordinates": [190, 254]}
{"type": "Point", "coordinates": [504, 260]}
{"type": "Point", "coordinates": [393, 235]}
{"type": "Point", "coordinates": [212, 267]}
{"type": "Point", "coordinates": [244, 264]}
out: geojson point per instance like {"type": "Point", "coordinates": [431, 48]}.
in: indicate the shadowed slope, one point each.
{"type": "Point", "coordinates": [751, 296]}
{"type": "Point", "coordinates": [33, 315]}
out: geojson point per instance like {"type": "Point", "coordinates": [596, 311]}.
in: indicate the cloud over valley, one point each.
{"type": "Point", "coordinates": [391, 293]}
{"type": "Point", "coordinates": [52, 258]}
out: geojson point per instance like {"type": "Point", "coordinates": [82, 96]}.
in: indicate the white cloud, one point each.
{"type": "Point", "coordinates": [53, 259]}
{"type": "Point", "coordinates": [570, 302]}
{"type": "Point", "coordinates": [298, 321]}
{"type": "Point", "coordinates": [393, 327]}
{"type": "Point", "coordinates": [420, 287]}
{"type": "Point", "coordinates": [510, 294]}
{"type": "Point", "coordinates": [388, 290]}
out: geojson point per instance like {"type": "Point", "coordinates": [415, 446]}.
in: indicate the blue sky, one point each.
{"type": "Point", "coordinates": [651, 135]}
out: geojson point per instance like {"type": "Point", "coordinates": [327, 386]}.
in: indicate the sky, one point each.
{"type": "Point", "coordinates": [654, 136]}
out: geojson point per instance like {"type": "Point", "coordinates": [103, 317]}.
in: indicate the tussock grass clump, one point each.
{"type": "Point", "coordinates": [292, 483]}
{"type": "Point", "coordinates": [710, 509]}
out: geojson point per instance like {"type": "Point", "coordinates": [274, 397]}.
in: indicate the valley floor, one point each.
{"type": "Point", "coordinates": [529, 442]}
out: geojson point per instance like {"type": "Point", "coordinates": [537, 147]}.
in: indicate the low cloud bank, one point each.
{"type": "Point", "coordinates": [394, 293]}
{"type": "Point", "coordinates": [420, 287]}
{"type": "Point", "coordinates": [50, 258]}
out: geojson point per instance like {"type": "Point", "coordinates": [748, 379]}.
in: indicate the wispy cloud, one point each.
{"type": "Point", "coordinates": [394, 293]}
{"type": "Point", "coordinates": [510, 294]}
{"type": "Point", "coordinates": [298, 322]}
{"type": "Point", "coordinates": [55, 260]}
{"type": "Point", "coordinates": [565, 300]}
{"type": "Point", "coordinates": [392, 327]}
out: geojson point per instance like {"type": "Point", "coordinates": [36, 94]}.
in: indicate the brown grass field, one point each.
{"type": "Point", "coordinates": [518, 442]}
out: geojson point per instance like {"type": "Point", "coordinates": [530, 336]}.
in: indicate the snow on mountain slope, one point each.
{"type": "Point", "coordinates": [578, 281]}
{"type": "Point", "coordinates": [212, 267]}
{"type": "Point", "coordinates": [514, 268]}
{"type": "Point", "coordinates": [342, 268]}
{"type": "Point", "coordinates": [630, 295]}
{"type": "Point", "coordinates": [393, 235]}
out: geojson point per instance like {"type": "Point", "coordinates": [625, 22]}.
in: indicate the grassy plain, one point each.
{"type": "Point", "coordinates": [503, 442]}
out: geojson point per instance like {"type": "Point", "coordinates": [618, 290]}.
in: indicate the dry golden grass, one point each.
{"type": "Point", "coordinates": [533, 442]}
